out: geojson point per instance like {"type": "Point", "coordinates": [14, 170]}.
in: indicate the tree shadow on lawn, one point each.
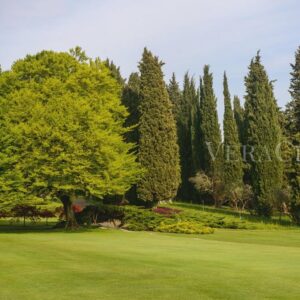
{"type": "Point", "coordinates": [38, 228]}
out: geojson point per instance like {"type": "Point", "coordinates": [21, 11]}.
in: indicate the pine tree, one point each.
{"type": "Point", "coordinates": [131, 100]}
{"type": "Point", "coordinates": [263, 132]}
{"type": "Point", "coordinates": [158, 149]}
{"type": "Point", "coordinates": [211, 149]}
{"type": "Point", "coordinates": [233, 167]}
{"type": "Point", "coordinates": [239, 115]}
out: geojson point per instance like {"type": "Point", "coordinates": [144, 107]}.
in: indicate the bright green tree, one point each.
{"type": "Point", "coordinates": [233, 166]}
{"type": "Point", "coordinates": [158, 148]}
{"type": "Point", "coordinates": [263, 133]}
{"type": "Point", "coordinates": [62, 132]}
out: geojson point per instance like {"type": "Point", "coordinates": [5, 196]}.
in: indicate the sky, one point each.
{"type": "Point", "coordinates": [185, 34]}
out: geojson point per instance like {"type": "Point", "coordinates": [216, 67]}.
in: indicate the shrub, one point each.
{"type": "Point", "coordinates": [25, 211]}
{"type": "Point", "coordinates": [167, 211]}
{"type": "Point", "coordinates": [185, 227]}
{"type": "Point", "coordinates": [100, 213]}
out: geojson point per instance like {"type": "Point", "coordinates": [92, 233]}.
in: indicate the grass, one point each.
{"type": "Point", "coordinates": [114, 264]}
{"type": "Point", "coordinates": [38, 262]}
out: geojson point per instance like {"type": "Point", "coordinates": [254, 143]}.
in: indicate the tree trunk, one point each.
{"type": "Point", "coordinates": [71, 222]}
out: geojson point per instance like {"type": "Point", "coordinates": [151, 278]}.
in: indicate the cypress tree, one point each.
{"type": "Point", "coordinates": [131, 100]}
{"type": "Point", "coordinates": [188, 130]}
{"type": "Point", "coordinates": [115, 71]}
{"type": "Point", "coordinates": [293, 128]}
{"type": "Point", "coordinates": [195, 126]}
{"type": "Point", "coordinates": [295, 90]}
{"type": "Point", "coordinates": [263, 132]}
{"type": "Point", "coordinates": [233, 168]}
{"type": "Point", "coordinates": [239, 115]}
{"type": "Point", "coordinates": [175, 96]}
{"type": "Point", "coordinates": [210, 129]}
{"type": "Point", "coordinates": [158, 149]}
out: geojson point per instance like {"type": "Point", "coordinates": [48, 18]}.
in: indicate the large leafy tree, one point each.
{"type": "Point", "coordinates": [62, 132]}
{"type": "Point", "coordinates": [158, 149]}
{"type": "Point", "coordinates": [233, 167]}
{"type": "Point", "coordinates": [263, 133]}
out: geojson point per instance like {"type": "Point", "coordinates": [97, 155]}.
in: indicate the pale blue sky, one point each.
{"type": "Point", "coordinates": [185, 34]}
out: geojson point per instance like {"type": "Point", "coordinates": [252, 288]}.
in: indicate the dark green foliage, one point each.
{"type": "Point", "coordinates": [291, 130]}
{"type": "Point", "coordinates": [100, 212]}
{"type": "Point", "coordinates": [295, 92]}
{"type": "Point", "coordinates": [131, 100]}
{"type": "Point", "coordinates": [233, 167]}
{"type": "Point", "coordinates": [262, 131]}
{"type": "Point", "coordinates": [211, 149]}
{"type": "Point", "coordinates": [239, 116]}
{"type": "Point", "coordinates": [115, 71]}
{"type": "Point", "coordinates": [294, 177]}
{"type": "Point", "coordinates": [158, 149]}
{"type": "Point", "coordinates": [24, 211]}
{"type": "Point", "coordinates": [188, 130]}
{"type": "Point", "coordinates": [175, 96]}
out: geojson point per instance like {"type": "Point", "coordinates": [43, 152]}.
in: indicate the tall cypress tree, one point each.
{"type": "Point", "coordinates": [293, 131]}
{"type": "Point", "coordinates": [233, 168]}
{"type": "Point", "coordinates": [210, 129]}
{"type": "Point", "coordinates": [263, 132]}
{"type": "Point", "coordinates": [175, 96]}
{"type": "Point", "coordinates": [239, 116]}
{"type": "Point", "coordinates": [188, 130]}
{"type": "Point", "coordinates": [115, 71]}
{"type": "Point", "coordinates": [295, 90]}
{"type": "Point", "coordinates": [158, 149]}
{"type": "Point", "coordinates": [195, 126]}
{"type": "Point", "coordinates": [130, 98]}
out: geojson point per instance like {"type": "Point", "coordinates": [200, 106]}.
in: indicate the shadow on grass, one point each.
{"type": "Point", "coordinates": [39, 228]}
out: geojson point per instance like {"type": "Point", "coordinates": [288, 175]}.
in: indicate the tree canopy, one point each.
{"type": "Point", "coordinates": [62, 131]}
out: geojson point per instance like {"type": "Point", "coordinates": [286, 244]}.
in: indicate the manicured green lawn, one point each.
{"type": "Point", "coordinates": [114, 264]}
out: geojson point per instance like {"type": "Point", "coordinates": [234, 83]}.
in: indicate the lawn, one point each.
{"type": "Point", "coordinates": [116, 264]}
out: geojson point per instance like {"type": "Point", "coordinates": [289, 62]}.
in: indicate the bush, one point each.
{"type": "Point", "coordinates": [167, 211]}
{"type": "Point", "coordinates": [185, 227]}
{"type": "Point", "coordinates": [100, 213]}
